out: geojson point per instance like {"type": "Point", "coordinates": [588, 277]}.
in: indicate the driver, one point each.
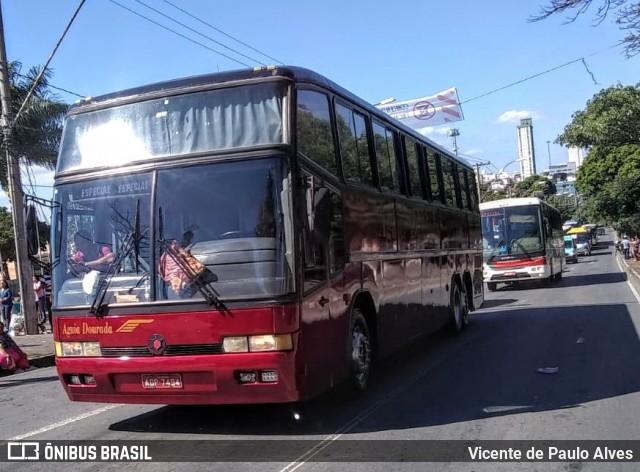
{"type": "Point", "coordinates": [91, 255]}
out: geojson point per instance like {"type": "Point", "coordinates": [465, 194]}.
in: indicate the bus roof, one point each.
{"type": "Point", "coordinates": [297, 74]}
{"type": "Point", "coordinates": [510, 202]}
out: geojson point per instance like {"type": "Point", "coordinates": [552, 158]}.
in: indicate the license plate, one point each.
{"type": "Point", "coordinates": [510, 274]}
{"type": "Point", "coordinates": [158, 381]}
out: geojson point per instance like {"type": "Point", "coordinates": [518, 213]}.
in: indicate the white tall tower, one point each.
{"type": "Point", "coordinates": [526, 150]}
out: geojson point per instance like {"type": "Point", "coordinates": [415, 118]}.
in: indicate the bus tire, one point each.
{"type": "Point", "coordinates": [492, 286]}
{"type": "Point", "coordinates": [458, 308]}
{"type": "Point", "coordinates": [359, 352]}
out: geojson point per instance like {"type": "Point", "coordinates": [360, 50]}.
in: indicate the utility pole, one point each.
{"type": "Point", "coordinates": [480, 178]}
{"type": "Point", "coordinates": [453, 134]}
{"type": "Point", "coordinates": [549, 153]}
{"type": "Point", "coordinates": [23, 265]}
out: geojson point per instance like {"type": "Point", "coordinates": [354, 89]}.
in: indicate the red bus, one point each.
{"type": "Point", "coordinates": [251, 236]}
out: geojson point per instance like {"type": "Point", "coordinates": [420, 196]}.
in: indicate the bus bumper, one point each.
{"type": "Point", "coordinates": [182, 380]}
{"type": "Point", "coordinates": [520, 274]}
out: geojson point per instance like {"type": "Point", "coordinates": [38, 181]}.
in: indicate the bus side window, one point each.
{"type": "Point", "coordinates": [413, 170]}
{"type": "Point", "coordinates": [449, 184]}
{"type": "Point", "coordinates": [386, 158]}
{"type": "Point", "coordinates": [315, 135]}
{"type": "Point", "coordinates": [323, 233]}
{"type": "Point", "coordinates": [352, 133]}
{"type": "Point", "coordinates": [435, 175]}
{"type": "Point", "coordinates": [464, 187]}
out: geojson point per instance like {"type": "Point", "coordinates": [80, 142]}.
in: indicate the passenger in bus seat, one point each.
{"type": "Point", "coordinates": [171, 270]}
{"type": "Point", "coordinates": [89, 255]}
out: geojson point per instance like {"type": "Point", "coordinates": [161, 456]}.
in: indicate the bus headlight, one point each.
{"type": "Point", "coordinates": [258, 343]}
{"type": "Point", "coordinates": [235, 344]}
{"type": "Point", "coordinates": [78, 349]}
{"type": "Point", "coordinates": [270, 342]}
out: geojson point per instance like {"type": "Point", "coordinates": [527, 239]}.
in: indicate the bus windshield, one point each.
{"type": "Point", "coordinates": [511, 231]}
{"type": "Point", "coordinates": [171, 126]}
{"type": "Point", "coordinates": [238, 241]}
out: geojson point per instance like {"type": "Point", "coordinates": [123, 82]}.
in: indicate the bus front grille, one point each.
{"type": "Point", "coordinates": [172, 350]}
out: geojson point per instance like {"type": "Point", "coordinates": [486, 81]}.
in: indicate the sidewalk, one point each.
{"type": "Point", "coordinates": [632, 268]}
{"type": "Point", "coordinates": [39, 348]}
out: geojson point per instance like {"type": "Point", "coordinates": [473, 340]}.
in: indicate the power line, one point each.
{"type": "Point", "coordinates": [198, 32]}
{"type": "Point", "coordinates": [580, 59]}
{"type": "Point", "coordinates": [44, 68]}
{"type": "Point", "coordinates": [220, 31]}
{"type": "Point", "coordinates": [54, 87]}
{"type": "Point", "coordinates": [179, 34]}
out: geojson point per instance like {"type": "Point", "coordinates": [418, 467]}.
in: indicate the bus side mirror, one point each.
{"type": "Point", "coordinates": [33, 243]}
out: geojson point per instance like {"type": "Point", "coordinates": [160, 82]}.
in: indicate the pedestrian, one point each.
{"type": "Point", "coordinates": [635, 247]}
{"type": "Point", "coordinates": [626, 245]}
{"type": "Point", "coordinates": [41, 300]}
{"type": "Point", "coordinates": [6, 304]}
{"type": "Point", "coordinates": [11, 356]}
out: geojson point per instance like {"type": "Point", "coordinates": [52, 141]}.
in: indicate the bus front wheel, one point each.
{"type": "Point", "coordinates": [359, 356]}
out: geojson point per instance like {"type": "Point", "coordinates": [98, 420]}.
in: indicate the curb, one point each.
{"type": "Point", "coordinates": [632, 274]}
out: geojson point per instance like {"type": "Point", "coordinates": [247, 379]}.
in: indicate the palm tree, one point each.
{"type": "Point", "coordinates": [38, 130]}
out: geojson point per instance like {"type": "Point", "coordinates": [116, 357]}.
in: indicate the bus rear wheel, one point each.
{"type": "Point", "coordinates": [359, 355]}
{"type": "Point", "coordinates": [459, 308]}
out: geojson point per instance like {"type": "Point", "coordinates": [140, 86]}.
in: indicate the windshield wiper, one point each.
{"type": "Point", "coordinates": [131, 242]}
{"type": "Point", "coordinates": [517, 241]}
{"type": "Point", "coordinates": [98, 307]}
{"type": "Point", "coordinates": [196, 279]}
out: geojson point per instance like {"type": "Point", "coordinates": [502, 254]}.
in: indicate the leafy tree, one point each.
{"type": "Point", "coordinates": [625, 12]}
{"type": "Point", "coordinates": [38, 130]}
{"type": "Point", "coordinates": [610, 127]}
{"type": "Point", "coordinates": [611, 118]}
{"type": "Point", "coordinates": [535, 186]}
{"type": "Point", "coordinates": [492, 195]}
{"type": "Point", "coordinates": [7, 241]}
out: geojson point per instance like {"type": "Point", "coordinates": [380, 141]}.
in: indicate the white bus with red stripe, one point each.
{"type": "Point", "coordinates": [522, 241]}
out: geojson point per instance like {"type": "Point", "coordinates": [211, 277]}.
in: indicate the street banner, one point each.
{"type": "Point", "coordinates": [441, 108]}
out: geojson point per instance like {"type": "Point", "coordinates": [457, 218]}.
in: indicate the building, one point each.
{"type": "Point", "coordinates": [526, 150]}
{"type": "Point", "coordinates": [576, 155]}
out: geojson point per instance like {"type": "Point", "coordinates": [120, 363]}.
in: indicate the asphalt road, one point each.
{"type": "Point", "coordinates": [484, 385]}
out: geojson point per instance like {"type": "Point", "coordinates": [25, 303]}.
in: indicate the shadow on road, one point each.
{"type": "Point", "coordinates": [11, 381]}
{"type": "Point", "coordinates": [489, 370]}
{"type": "Point", "coordinates": [497, 302]}
{"type": "Point", "coordinates": [573, 280]}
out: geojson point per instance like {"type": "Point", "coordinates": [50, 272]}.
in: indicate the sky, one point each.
{"type": "Point", "coordinates": [376, 49]}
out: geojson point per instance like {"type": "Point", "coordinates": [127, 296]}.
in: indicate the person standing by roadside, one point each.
{"type": "Point", "coordinates": [635, 247]}
{"type": "Point", "coordinates": [39, 292]}
{"type": "Point", "coordinates": [626, 244]}
{"type": "Point", "coordinates": [6, 304]}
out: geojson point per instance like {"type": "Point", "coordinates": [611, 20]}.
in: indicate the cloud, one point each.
{"type": "Point", "coordinates": [472, 152]}
{"type": "Point", "coordinates": [432, 131]}
{"type": "Point", "coordinates": [514, 116]}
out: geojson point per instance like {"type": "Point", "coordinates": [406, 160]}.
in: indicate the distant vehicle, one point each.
{"type": "Point", "coordinates": [583, 246]}
{"type": "Point", "coordinates": [601, 232]}
{"type": "Point", "coordinates": [570, 250]}
{"type": "Point", "coordinates": [522, 240]}
{"type": "Point", "coordinates": [567, 225]}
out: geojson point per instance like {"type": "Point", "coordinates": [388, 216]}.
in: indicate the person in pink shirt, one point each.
{"type": "Point", "coordinates": [41, 299]}
{"type": "Point", "coordinates": [91, 255]}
